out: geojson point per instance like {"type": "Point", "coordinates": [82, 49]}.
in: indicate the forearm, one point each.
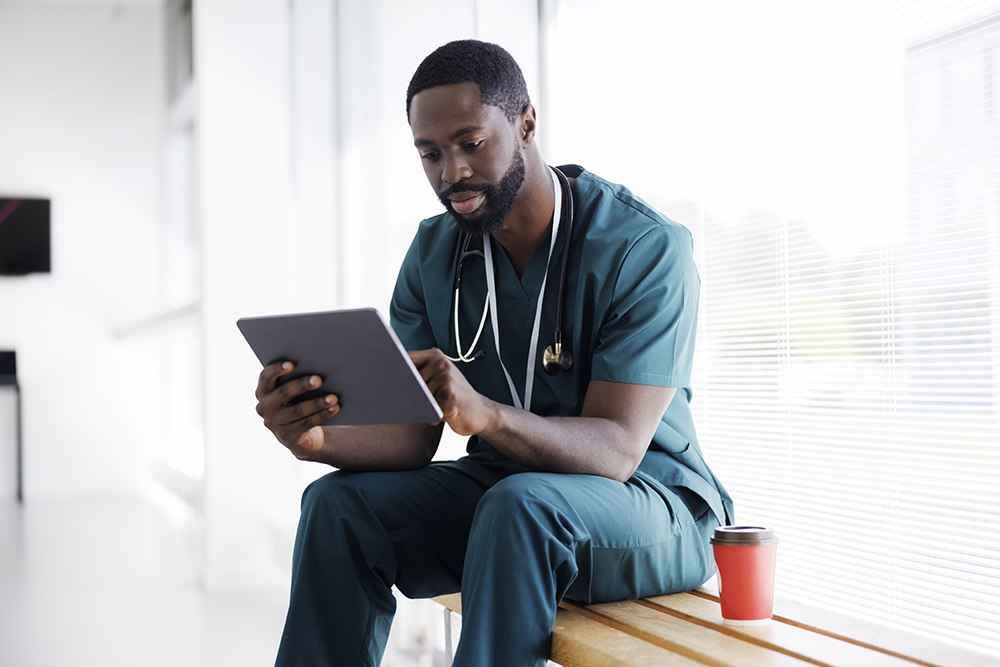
{"type": "Point", "coordinates": [383, 447]}
{"type": "Point", "coordinates": [609, 438]}
{"type": "Point", "coordinates": [587, 445]}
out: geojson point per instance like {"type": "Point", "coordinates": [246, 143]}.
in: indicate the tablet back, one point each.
{"type": "Point", "coordinates": [359, 358]}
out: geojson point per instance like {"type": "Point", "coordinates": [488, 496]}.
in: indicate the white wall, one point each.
{"type": "Point", "coordinates": [276, 237]}
{"type": "Point", "coordinates": [242, 79]}
{"type": "Point", "coordinates": [309, 193]}
{"type": "Point", "coordinates": [386, 193]}
{"type": "Point", "coordinates": [80, 124]}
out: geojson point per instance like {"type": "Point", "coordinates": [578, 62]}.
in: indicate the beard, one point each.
{"type": "Point", "coordinates": [499, 199]}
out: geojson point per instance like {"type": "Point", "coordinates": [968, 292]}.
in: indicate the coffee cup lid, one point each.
{"type": "Point", "coordinates": [744, 535]}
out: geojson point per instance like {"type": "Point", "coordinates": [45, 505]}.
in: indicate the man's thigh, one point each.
{"type": "Point", "coordinates": [421, 519]}
{"type": "Point", "coordinates": [630, 540]}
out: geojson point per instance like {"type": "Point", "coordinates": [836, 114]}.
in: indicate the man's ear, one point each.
{"type": "Point", "coordinates": [526, 126]}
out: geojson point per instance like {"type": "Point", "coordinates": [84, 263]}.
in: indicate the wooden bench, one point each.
{"type": "Point", "coordinates": [686, 630]}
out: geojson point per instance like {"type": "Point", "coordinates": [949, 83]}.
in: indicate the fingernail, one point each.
{"type": "Point", "coordinates": [286, 366]}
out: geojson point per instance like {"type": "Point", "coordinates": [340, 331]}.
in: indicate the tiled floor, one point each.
{"type": "Point", "coordinates": [114, 583]}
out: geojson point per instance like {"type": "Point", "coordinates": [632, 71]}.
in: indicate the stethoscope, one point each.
{"type": "Point", "coordinates": [556, 356]}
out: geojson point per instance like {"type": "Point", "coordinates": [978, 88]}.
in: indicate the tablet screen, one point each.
{"type": "Point", "coordinates": [358, 356]}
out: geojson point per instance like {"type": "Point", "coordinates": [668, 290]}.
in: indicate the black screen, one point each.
{"type": "Point", "coordinates": [24, 236]}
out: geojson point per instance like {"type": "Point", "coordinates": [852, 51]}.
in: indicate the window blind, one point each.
{"type": "Point", "coordinates": [839, 165]}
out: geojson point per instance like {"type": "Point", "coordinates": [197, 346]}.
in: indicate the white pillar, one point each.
{"type": "Point", "coordinates": [243, 113]}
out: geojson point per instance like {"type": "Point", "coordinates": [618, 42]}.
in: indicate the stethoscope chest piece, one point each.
{"type": "Point", "coordinates": [556, 359]}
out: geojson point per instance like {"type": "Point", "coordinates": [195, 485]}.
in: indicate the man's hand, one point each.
{"type": "Point", "coordinates": [296, 425]}
{"type": "Point", "coordinates": [466, 411]}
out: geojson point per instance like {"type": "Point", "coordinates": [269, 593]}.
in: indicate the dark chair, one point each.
{"type": "Point", "coordinates": [8, 378]}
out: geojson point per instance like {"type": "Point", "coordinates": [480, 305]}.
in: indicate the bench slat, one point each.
{"type": "Point", "coordinates": [584, 642]}
{"type": "Point", "coordinates": [780, 636]}
{"type": "Point", "coordinates": [703, 644]}
{"type": "Point", "coordinates": [930, 651]}
{"type": "Point", "coordinates": [451, 601]}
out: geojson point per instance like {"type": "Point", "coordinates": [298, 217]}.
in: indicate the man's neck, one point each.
{"type": "Point", "coordinates": [530, 219]}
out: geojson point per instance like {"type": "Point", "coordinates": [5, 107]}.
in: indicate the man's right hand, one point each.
{"type": "Point", "coordinates": [296, 425]}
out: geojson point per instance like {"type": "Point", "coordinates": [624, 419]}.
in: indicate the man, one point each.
{"type": "Point", "coordinates": [586, 483]}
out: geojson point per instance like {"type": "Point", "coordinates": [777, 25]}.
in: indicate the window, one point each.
{"type": "Point", "coordinates": [839, 165]}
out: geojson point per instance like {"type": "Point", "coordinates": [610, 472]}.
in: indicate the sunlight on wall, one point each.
{"type": "Point", "coordinates": [741, 105]}
{"type": "Point", "coordinates": [839, 166]}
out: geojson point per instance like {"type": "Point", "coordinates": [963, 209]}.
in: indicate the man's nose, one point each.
{"type": "Point", "coordinates": [455, 169]}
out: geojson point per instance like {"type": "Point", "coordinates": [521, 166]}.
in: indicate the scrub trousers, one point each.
{"type": "Point", "coordinates": [513, 542]}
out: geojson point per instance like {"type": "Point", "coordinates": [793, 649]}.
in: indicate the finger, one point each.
{"type": "Point", "coordinates": [426, 373]}
{"type": "Point", "coordinates": [297, 428]}
{"type": "Point", "coordinates": [325, 406]}
{"type": "Point", "coordinates": [444, 394]}
{"type": "Point", "coordinates": [419, 357]}
{"type": "Point", "coordinates": [434, 365]}
{"type": "Point", "coordinates": [287, 394]}
{"type": "Point", "coordinates": [291, 390]}
{"type": "Point", "coordinates": [289, 426]}
{"type": "Point", "coordinates": [269, 376]}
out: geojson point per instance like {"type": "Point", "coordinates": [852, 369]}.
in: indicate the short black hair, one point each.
{"type": "Point", "coordinates": [501, 83]}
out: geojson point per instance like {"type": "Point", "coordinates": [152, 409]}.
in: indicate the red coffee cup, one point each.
{"type": "Point", "coordinates": [745, 558]}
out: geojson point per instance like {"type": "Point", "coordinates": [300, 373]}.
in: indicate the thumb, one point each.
{"type": "Point", "coordinates": [312, 439]}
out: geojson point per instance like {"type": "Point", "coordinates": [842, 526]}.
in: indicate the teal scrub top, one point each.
{"type": "Point", "coordinates": [629, 315]}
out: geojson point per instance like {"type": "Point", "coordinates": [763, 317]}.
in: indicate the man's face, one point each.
{"type": "Point", "coordinates": [470, 155]}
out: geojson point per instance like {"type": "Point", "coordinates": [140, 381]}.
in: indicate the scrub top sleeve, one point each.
{"type": "Point", "coordinates": [408, 308]}
{"type": "Point", "coordinates": [648, 334]}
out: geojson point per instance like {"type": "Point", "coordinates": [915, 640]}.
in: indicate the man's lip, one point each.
{"type": "Point", "coordinates": [466, 203]}
{"type": "Point", "coordinates": [463, 196]}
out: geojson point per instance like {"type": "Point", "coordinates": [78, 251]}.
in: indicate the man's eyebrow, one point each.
{"type": "Point", "coordinates": [418, 142]}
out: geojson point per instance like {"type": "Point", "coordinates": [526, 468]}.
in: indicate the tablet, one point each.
{"type": "Point", "coordinates": [358, 356]}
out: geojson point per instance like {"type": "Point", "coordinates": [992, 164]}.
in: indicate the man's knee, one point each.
{"type": "Point", "coordinates": [338, 499]}
{"type": "Point", "coordinates": [522, 530]}
{"type": "Point", "coordinates": [325, 491]}
{"type": "Point", "coordinates": [336, 516]}
{"type": "Point", "coordinates": [526, 499]}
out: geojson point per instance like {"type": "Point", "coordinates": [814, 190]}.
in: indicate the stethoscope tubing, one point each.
{"type": "Point", "coordinates": [567, 216]}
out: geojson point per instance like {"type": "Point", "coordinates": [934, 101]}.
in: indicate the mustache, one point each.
{"type": "Point", "coordinates": [464, 187]}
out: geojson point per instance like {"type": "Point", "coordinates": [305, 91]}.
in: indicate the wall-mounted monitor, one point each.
{"type": "Point", "coordinates": [25, 241]}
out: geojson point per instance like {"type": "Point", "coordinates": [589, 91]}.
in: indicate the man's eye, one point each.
{"type": "Point", "coordinates": [431, 156]}
{"type": "Point", "coordinates": [472, 145]}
